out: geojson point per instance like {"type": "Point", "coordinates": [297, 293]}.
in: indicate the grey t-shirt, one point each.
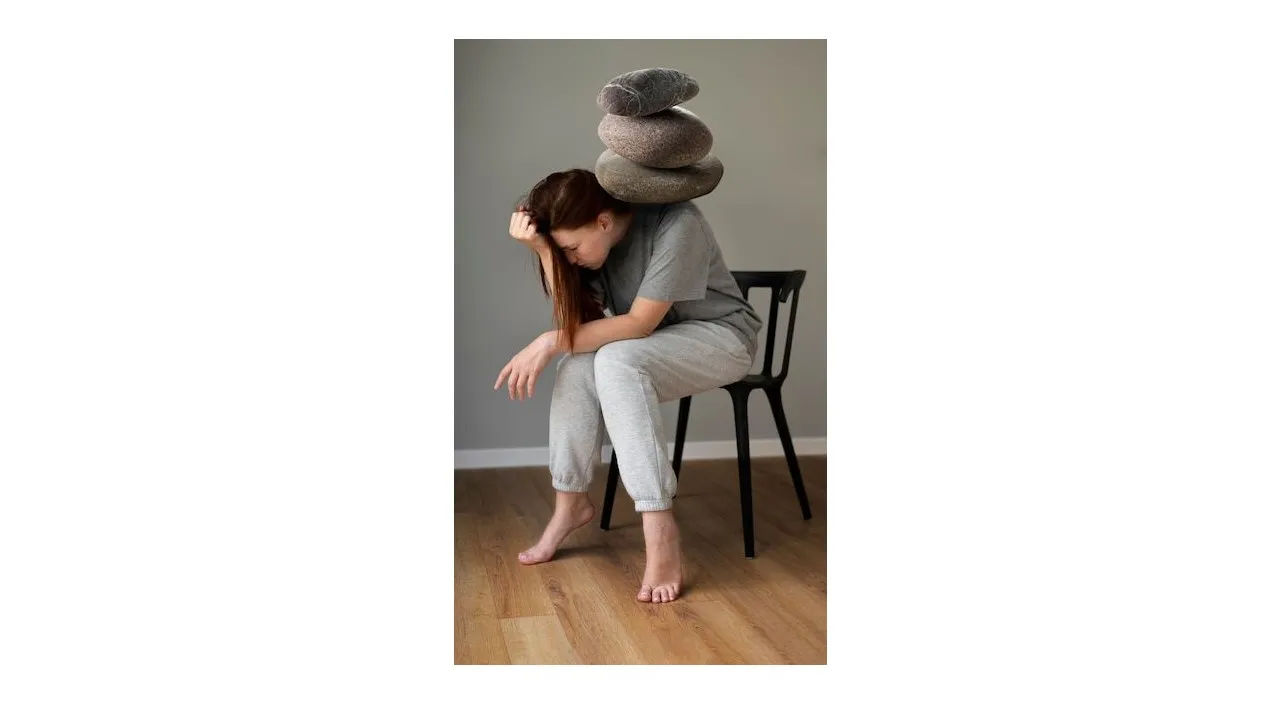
{"type": "Point", "coordinates": [670, 254]}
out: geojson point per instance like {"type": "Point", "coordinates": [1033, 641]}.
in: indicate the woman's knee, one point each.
{"type": "Point", "coordinates": [576, 368]}
{"type": "Point", "coordinates": [621, 356]}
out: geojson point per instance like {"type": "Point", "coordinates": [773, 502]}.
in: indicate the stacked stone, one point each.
{"type": "Point", "coordinates": [657, 151]}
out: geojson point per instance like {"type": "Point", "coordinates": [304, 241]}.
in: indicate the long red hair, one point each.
{"type": "Point", "coordinates": [569, 200]}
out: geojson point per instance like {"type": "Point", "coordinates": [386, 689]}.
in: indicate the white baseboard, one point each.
{"type": "Point", "coordinates": [712, 450]}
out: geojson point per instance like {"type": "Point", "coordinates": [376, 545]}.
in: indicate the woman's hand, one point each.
{"type": "Point", "coordinates": [525, 231]}
{"type": "Point", "coordinates": [522, 371]}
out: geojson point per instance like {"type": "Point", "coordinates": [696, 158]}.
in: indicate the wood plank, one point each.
{"type": "Point", "coordinates": [465, 499]}
{"type": "Point", "coordinates": [768, 610]}
{"type": "Point", "coordinates": [793, 581]}
{"type": "Point", "coordinates": [676, 637]}
{"type": "Point", "coordinates": [596, 630]}
{"type": "Point", "coordinates": [765, 597]}
{"type": "Point", "coordinates": [505, 531]}
{"type": "Point", "coordinates": [477, 640]}
{"type": "Point", "coordinates": [730, 639]}
{"type": "Point", "coordinates": [537, 640]}
{"type": "Point", "coordinates": [477, 635]}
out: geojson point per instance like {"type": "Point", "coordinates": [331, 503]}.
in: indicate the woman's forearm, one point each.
{"type": "Point", "coordinates": [598, 333]}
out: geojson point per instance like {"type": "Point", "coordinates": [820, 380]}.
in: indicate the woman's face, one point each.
{"type": "Point", "coordinates": [589, 245]}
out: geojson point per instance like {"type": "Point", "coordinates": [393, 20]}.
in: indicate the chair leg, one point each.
{"type": "Point", "coordinates": [682, 424]}
{"type": "Point", "coordinates": [784, 434]}
{"type": "Point", "coordinates": [610, 488]}
{"type": "Point", "coordinates": [744, 470]}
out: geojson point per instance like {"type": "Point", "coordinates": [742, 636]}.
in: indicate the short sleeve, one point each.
{"type": "Point", "coordinates": [680, 264]}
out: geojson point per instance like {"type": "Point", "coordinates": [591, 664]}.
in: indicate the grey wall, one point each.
{"type": "Point", "coordinates": [526, 108]}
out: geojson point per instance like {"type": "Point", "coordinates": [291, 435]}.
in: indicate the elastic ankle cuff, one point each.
{"type": "Point", "coordinates": [659, 505]}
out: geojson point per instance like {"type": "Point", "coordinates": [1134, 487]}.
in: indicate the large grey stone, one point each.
{"type": "Point", "coordinates": [628, 181]}
{"type": "Point", "coordinates": [646, 91]}
{"type": "Point", "coordinates": [669, 139]}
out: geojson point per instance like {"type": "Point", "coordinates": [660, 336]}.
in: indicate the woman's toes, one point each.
{"type": "Point", "coordinates": [646, 594]}
{"type": "Point", "coordinates": [529, 557]}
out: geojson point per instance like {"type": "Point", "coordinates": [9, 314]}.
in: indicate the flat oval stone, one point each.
{"type": "Point", "coordinates": [669, 139]}
{"type": "Point", "coordinates": [646, 91]}
{"type": "Point", "coordinates": [631, 182]}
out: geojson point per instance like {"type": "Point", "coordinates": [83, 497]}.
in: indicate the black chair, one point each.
{"type": "Point", "coordinates": [783, 284]}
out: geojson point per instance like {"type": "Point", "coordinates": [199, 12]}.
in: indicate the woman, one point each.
{"type": "Point", "coordinates": [646, 312]}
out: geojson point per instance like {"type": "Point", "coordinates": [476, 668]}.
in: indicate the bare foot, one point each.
{"type": "Point", "coordinates": [662, 576]}
{"type": "Point", "coordinates": [572, 512]}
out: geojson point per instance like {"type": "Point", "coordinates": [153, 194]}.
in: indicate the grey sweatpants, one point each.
{"type": "Point", "coordinates": [619, 387]}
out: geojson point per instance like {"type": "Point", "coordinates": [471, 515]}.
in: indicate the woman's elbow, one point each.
{"type": "Point", "coordinates": [646, 328]}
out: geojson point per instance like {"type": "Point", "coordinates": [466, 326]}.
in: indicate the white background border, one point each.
{"type": "Point", "coordinates": [225, 293]}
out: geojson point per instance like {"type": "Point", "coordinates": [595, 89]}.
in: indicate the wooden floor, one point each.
{"type": "Point", "coordinates": [580, 608]}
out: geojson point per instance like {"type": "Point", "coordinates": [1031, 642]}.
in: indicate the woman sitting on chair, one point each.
{"type": "Point", "coordinates": [646, 312]}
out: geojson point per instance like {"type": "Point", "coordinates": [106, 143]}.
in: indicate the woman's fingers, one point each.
{"type": "Point", "coordinates": [524, 385]}
{"type": "Point", "coordinates": [520, 380]}
{"type": "Point", "coordinates": [522, 226]}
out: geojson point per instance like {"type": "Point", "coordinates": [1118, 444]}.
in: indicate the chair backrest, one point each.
{"type": "Point", "coordinates": [783, 284]}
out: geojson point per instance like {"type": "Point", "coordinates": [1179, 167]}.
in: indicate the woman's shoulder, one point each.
{"type": "Point", "coordinates": [684, 212]}
{"type": "Point", "coordinates": [683, 208]}
{"type": "Point", "coordinates": [665, 221]}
